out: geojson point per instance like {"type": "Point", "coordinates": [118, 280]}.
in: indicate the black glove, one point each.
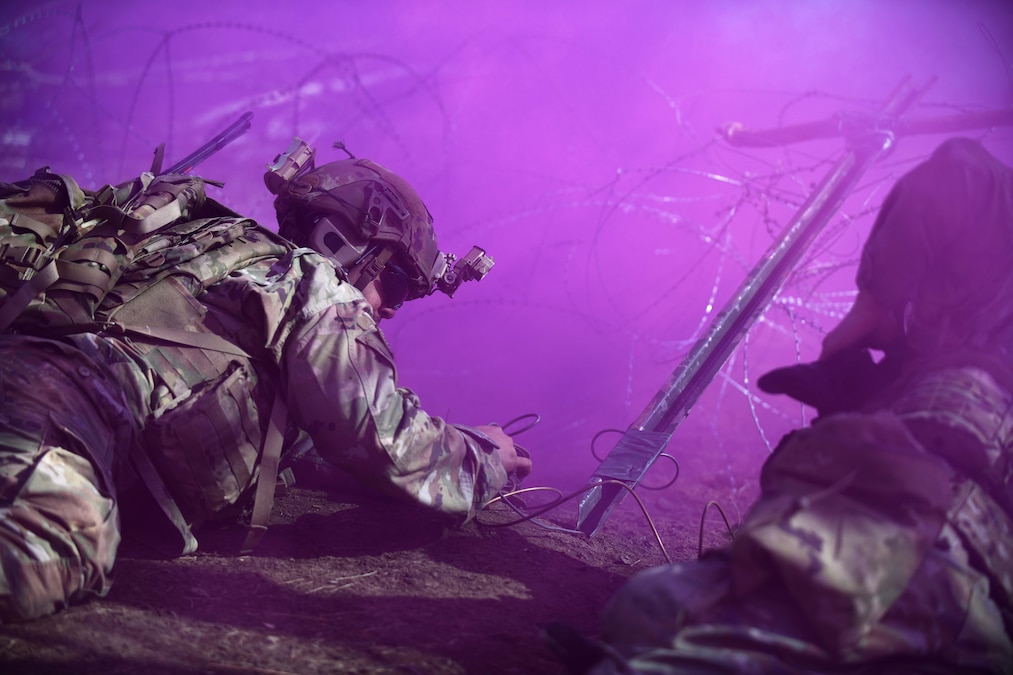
{"type": "Point", "coordinates": [844, 381]}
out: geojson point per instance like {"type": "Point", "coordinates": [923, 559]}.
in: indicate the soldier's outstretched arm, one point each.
{"type": "Point", "coordinates": [513, 462]}
{"type": "Point", "coordinates": [342, 389]}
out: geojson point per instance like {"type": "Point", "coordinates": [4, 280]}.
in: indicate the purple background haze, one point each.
{"type": "Point", "coordinates": [575, 141]}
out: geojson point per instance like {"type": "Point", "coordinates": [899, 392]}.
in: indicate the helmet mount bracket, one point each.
{"type": "Point", "coordinates": [360, 215]}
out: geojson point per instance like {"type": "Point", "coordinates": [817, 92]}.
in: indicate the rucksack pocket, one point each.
{"type": "Point", "coordinates": [205, 445]}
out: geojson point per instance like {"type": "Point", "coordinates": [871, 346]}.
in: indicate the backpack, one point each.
{"type": "Point", "coordinates": [74, 261]}
{"type": "Point", "coordinates": [64, 251]}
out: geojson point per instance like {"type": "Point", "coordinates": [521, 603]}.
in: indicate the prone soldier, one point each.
{"type": "Point", "coordinates": [158, 343]}
{"type": "Point", "coordinates": [882, 541]}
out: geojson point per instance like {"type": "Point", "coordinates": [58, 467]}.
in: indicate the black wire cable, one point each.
{"type": "Point", "coordinates": [517, 506]}
{"type": "Point", "coordinates": [670, 483]}
{"type": "Point", "coordinates": [563, 499]}
{"type": "Point", "coordinates": [703, 518]}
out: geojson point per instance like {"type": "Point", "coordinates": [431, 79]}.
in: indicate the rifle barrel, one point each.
{"type": "Point", "coordinates": [234, 131]}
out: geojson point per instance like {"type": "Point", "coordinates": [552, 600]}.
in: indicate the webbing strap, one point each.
{"type": "Point", "coordinates": [83, 278]}
{"type": "Point", "coordinates": [165, 198]}
{"type": "Point", "coordinates": [362, 276]}
{"type": "Point", "coordinates": [17, 303]}
{"type": "Point", "coordinates": [182, 337]}
{"type": "Point", "coordinates": [91, 255]}
{"type": "Point", "coordinates": [156, 486]}
{"type": "Point", "coordinates": [75, 195]}
{"type": "Point", "coordinates": [157, 219]}
{"type": "Point", "coordinates": [42, 230]}
{"type": "Point", "coordinates": [270, 458]}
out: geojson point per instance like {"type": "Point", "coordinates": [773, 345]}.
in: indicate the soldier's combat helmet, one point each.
{"type": "Point", "coordinates": [367, 220]}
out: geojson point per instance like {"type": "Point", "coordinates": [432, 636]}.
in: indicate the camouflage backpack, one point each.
{"type": "Point", "coordinates": [63, 251]}
{"type": "Point", "coordinates": [74, 261]}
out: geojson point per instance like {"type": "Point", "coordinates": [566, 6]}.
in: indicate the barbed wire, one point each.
{"type": "Point", "coordinates": [628, 261]}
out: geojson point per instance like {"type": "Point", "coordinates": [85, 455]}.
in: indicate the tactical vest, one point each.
{"type": "Point", "coordinates": [129, 260]}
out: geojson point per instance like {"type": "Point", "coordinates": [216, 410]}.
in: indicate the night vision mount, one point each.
{"type": "Point", "coordinates": [475, 266]}
{"type": "Point", "coordinates": [448, 271]}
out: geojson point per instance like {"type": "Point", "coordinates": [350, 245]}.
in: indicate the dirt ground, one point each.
{"type": "Point", "coordinates": [344, 582]}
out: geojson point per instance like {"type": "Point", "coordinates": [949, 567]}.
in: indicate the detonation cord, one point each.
{"type": "Point", "coordinates": [509, 497]}
{"type": "Point", "coordinates": [505, 498]}
{"type": "Point", "coordinates": [703, 519]}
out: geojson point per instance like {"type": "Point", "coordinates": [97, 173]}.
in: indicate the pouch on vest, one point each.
{"type": "Point", "coordinates": [63, 249]}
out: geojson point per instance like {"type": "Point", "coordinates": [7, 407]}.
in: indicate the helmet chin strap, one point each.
{"type": "Point", "coordinates": [364, 272]}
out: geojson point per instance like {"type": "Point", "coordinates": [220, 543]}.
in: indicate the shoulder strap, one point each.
{"type": "Point", "coordinates": [30, 289]}
{"type": "Point", "coordinates": [178, 336]}
{"type": "Point", "coordinates": [270, 457]}
{"type": "Point", "coordinates": [156, 486]}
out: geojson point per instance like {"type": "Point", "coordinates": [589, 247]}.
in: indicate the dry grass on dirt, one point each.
{"type": "Point", "coordinates": [347, 583]}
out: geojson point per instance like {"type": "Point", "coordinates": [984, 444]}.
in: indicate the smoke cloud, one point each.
{"type": "Point", "coordinates": [577, 142]}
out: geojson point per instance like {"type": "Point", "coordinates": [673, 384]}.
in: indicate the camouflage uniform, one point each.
{"type": "Point", "coordinates": [75, 409]}
{"type": "Point", "coordinates": [883, 538]}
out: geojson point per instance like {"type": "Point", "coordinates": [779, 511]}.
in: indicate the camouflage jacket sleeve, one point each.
{"type": "Point", "coordinates": [342, 389]}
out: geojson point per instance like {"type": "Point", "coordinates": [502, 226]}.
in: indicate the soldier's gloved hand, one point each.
{"type": "Point", "coordinates": [838, 383]}
{"type": "Point", "coordinates": [515, 463]}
